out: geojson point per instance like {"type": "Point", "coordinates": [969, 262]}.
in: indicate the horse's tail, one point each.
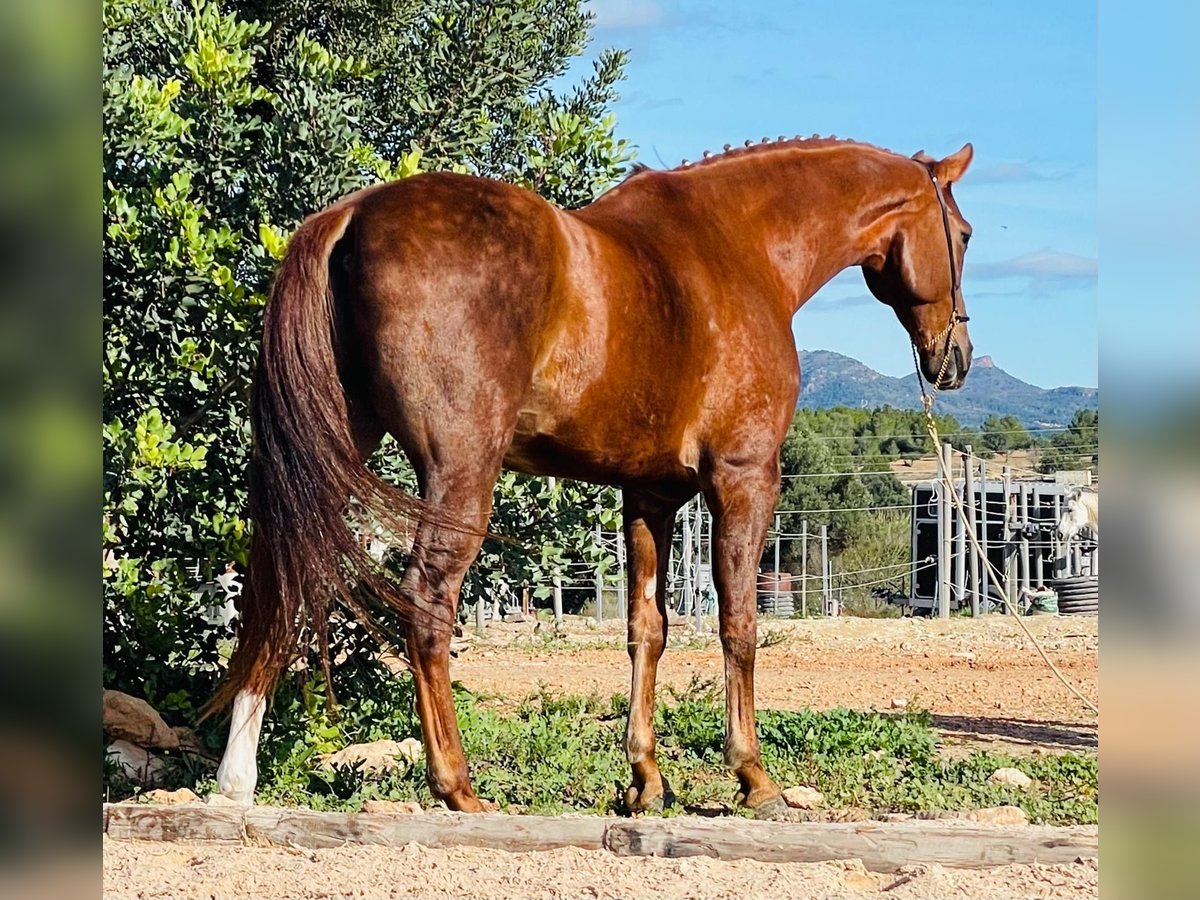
{"type": "Point", "coordinates": [306, 476]}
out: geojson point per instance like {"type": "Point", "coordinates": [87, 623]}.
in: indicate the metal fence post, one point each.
{"type": "Point", "coordinates": [944, 525]}
{"type": "Point", "coordinates": [1010, 563]}
{"type": "Point", "coordinates": [969, 491]}
{"type": "Point", "coordinates": [778, 529]}
{"type": "Point", "coordinates": [804, 568]}
{"type": "Point", "coordinates": [826, 588]}
{"type": "Point", "coordinates": [985, 575]}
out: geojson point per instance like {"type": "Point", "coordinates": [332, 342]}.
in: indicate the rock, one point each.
{"type": "Point", "coordinates": [392, 807]}
{"type": "Point", "coordinates": [899, 702]}
{"type": "Point", "coordinates": [999, 815]}
{"type": "Point", "coordinates": [376, 757]}
{"type": "Point", "coordinates": [515, 618]}
{"type": "Point", "coordinates": [189, 741]}
{"type": "Point", "coordinates": [136, 763]}
{"type": "Point", "coordinates": [802, 797]}
{"type": "Point", "coordinates": [134, 720]}
{"type": "Point", "coordinates": [968, 655]}
{"type": "Point", "coordinates": [411, 749]}
{"type": "Point", "coordinates": [1013, 777]}
{"type": "Point", "coordinates": [895, 817]}
{"type": "Point", "coordinates": [183, 795]}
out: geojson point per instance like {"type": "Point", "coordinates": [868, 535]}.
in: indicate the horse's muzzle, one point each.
{"type": "Point", "coordinates": [953, 371]}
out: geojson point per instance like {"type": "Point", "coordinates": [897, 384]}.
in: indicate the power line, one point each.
{"type": "Point", "coordinates": [919, 436]}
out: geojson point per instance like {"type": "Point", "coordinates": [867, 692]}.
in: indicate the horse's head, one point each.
{"type": "Point", "coordinates": [919, 272]}
{"type": "Point", "coordinates": [1074, 516]}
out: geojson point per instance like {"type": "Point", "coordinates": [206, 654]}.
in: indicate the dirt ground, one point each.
{"type": "Point", "coordinates": [137, 871]}
{"type": "Point", "coordinates": [981, 680]}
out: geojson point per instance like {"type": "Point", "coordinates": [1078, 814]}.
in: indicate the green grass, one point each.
{"type": "Point", "coordinates": [555, 754]}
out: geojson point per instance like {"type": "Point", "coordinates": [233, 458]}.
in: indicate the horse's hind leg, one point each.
{"type": "Point", "coordinates": [237, 774]}
{"type": "Point", "coordinates": [648, 527]}
{"type": "Point", "coordinates": [441, 554]}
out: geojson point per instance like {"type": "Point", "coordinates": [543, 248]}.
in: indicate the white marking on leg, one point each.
{"type": "Point", "coordinates": [237, 775]}
{"type": "Point", "coordinates": [648, 589]}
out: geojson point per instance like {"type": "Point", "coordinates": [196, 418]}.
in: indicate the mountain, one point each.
{"type": "Point", "coordinates": [831, 379]}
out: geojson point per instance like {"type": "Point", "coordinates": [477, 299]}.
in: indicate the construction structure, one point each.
{"type": "Point", "coordinates": [1014, 520]}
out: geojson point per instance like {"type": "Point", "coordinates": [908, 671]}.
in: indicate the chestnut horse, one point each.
{"type": "Point", "coordinates": [643, 341]}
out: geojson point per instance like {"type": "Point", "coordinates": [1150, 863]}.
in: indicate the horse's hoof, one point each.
{"type": "Point", "coordinates": [636, 802]}
{"type": "Point", "coordinates": [769, 809]}
{"type": "Point", "coordinates": [774, 809]}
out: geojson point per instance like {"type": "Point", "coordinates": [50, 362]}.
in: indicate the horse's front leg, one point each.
{"type": "Point", "coordinates": [742, 499]}
{"type": "Point", "coordinates": [648, 528]}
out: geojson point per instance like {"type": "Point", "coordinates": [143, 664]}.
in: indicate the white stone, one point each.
{"type": "Point", "coordinates": [375, 757]}
{"type": "Point", "coordinates": [411, 749]}
{"type": "Point", "coordinates": [803, 797]}
{"type": "Point", "coordinates": [899, 702]}
{"type": "Point", "coordinates": [183, 795]}
{"type": "Point", "coordinates": [392, 807]}
{"type": "Point", "coordinates": [135, 762]}
{"type": "Point", "coordinates": [1013, 777]}
{"type": "Point", "coordinates": [999, 815]}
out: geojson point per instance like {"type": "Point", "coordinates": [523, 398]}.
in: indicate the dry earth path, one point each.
{"type": "Point", "coordinates": [981, 679]}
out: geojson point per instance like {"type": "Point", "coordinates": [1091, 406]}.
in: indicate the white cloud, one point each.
{"type": "Point", "coordinates": [1043, 271]}
{"type": "Point", "coordinates": [1042, 264]}
{"type": "Point", "coordinates": [1014, 172]}
{"type": "Point", "coordinates": [626, 13]}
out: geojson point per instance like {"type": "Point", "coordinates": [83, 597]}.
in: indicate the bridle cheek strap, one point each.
{"type": "Point", "coordinates": [955, 275]}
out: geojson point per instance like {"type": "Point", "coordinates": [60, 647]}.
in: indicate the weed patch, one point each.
{"type": "Point", "coordinates": [552, 754]}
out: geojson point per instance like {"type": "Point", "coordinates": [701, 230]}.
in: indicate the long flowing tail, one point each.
{"type": "Point", "coordinates": [307, 479]}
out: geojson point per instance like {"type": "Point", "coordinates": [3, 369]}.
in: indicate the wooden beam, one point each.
{"type": "Point", "coordinates": [882, 847]}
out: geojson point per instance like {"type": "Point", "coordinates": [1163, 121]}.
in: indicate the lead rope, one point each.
{"type": "Point", "coordinates": [927, 399]}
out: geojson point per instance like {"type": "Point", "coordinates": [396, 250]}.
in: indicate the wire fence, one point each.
{"type": "Point", "coordinates": [601, 590]}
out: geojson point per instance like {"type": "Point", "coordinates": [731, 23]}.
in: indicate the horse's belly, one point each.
{"type": "Point", "coordinates": [591, 452]}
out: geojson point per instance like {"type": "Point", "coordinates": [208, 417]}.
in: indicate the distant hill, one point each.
{"type": "Point", "coordinates": [831, 379]}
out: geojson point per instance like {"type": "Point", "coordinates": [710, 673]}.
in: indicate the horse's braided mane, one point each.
{"type": "Point", "coordinates": [752, 148]}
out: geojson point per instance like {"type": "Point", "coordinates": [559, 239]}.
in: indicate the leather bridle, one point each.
{"type": "Point", "coordinates": [955, 275]}
{"type": "Point", "coordinates": [955, 304]}
{"type": "Point", "coordinates": [955, 299]}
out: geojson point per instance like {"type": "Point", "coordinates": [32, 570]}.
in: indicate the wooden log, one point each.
{"type": "Point", "coordinates": [882, 847]}
{"type": "Point", "coordinates": [309, 828]}
{"type": "Point", "coordinates": [176, 822]}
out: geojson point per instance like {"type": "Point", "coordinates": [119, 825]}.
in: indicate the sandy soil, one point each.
{"type": "Point", "coordinates": [138, 871]}
{"type": "Point", "coordinates": [981, 679]}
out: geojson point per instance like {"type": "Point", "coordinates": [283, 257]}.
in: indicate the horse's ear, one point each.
{"type": "Point", "coordinates": [922, 157]}
{"type": "Point", "coordinates": [954, 166]}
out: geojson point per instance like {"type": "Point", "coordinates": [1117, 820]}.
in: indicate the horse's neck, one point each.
{"type": "Point", "coordinates": [815, 212]}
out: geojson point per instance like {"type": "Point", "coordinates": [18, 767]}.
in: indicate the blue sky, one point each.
{"type": "Point", "coordinates": [1016, 79]}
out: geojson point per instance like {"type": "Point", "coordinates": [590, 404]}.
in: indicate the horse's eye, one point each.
{"type": "Point", "coordinates": [966, 239]}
